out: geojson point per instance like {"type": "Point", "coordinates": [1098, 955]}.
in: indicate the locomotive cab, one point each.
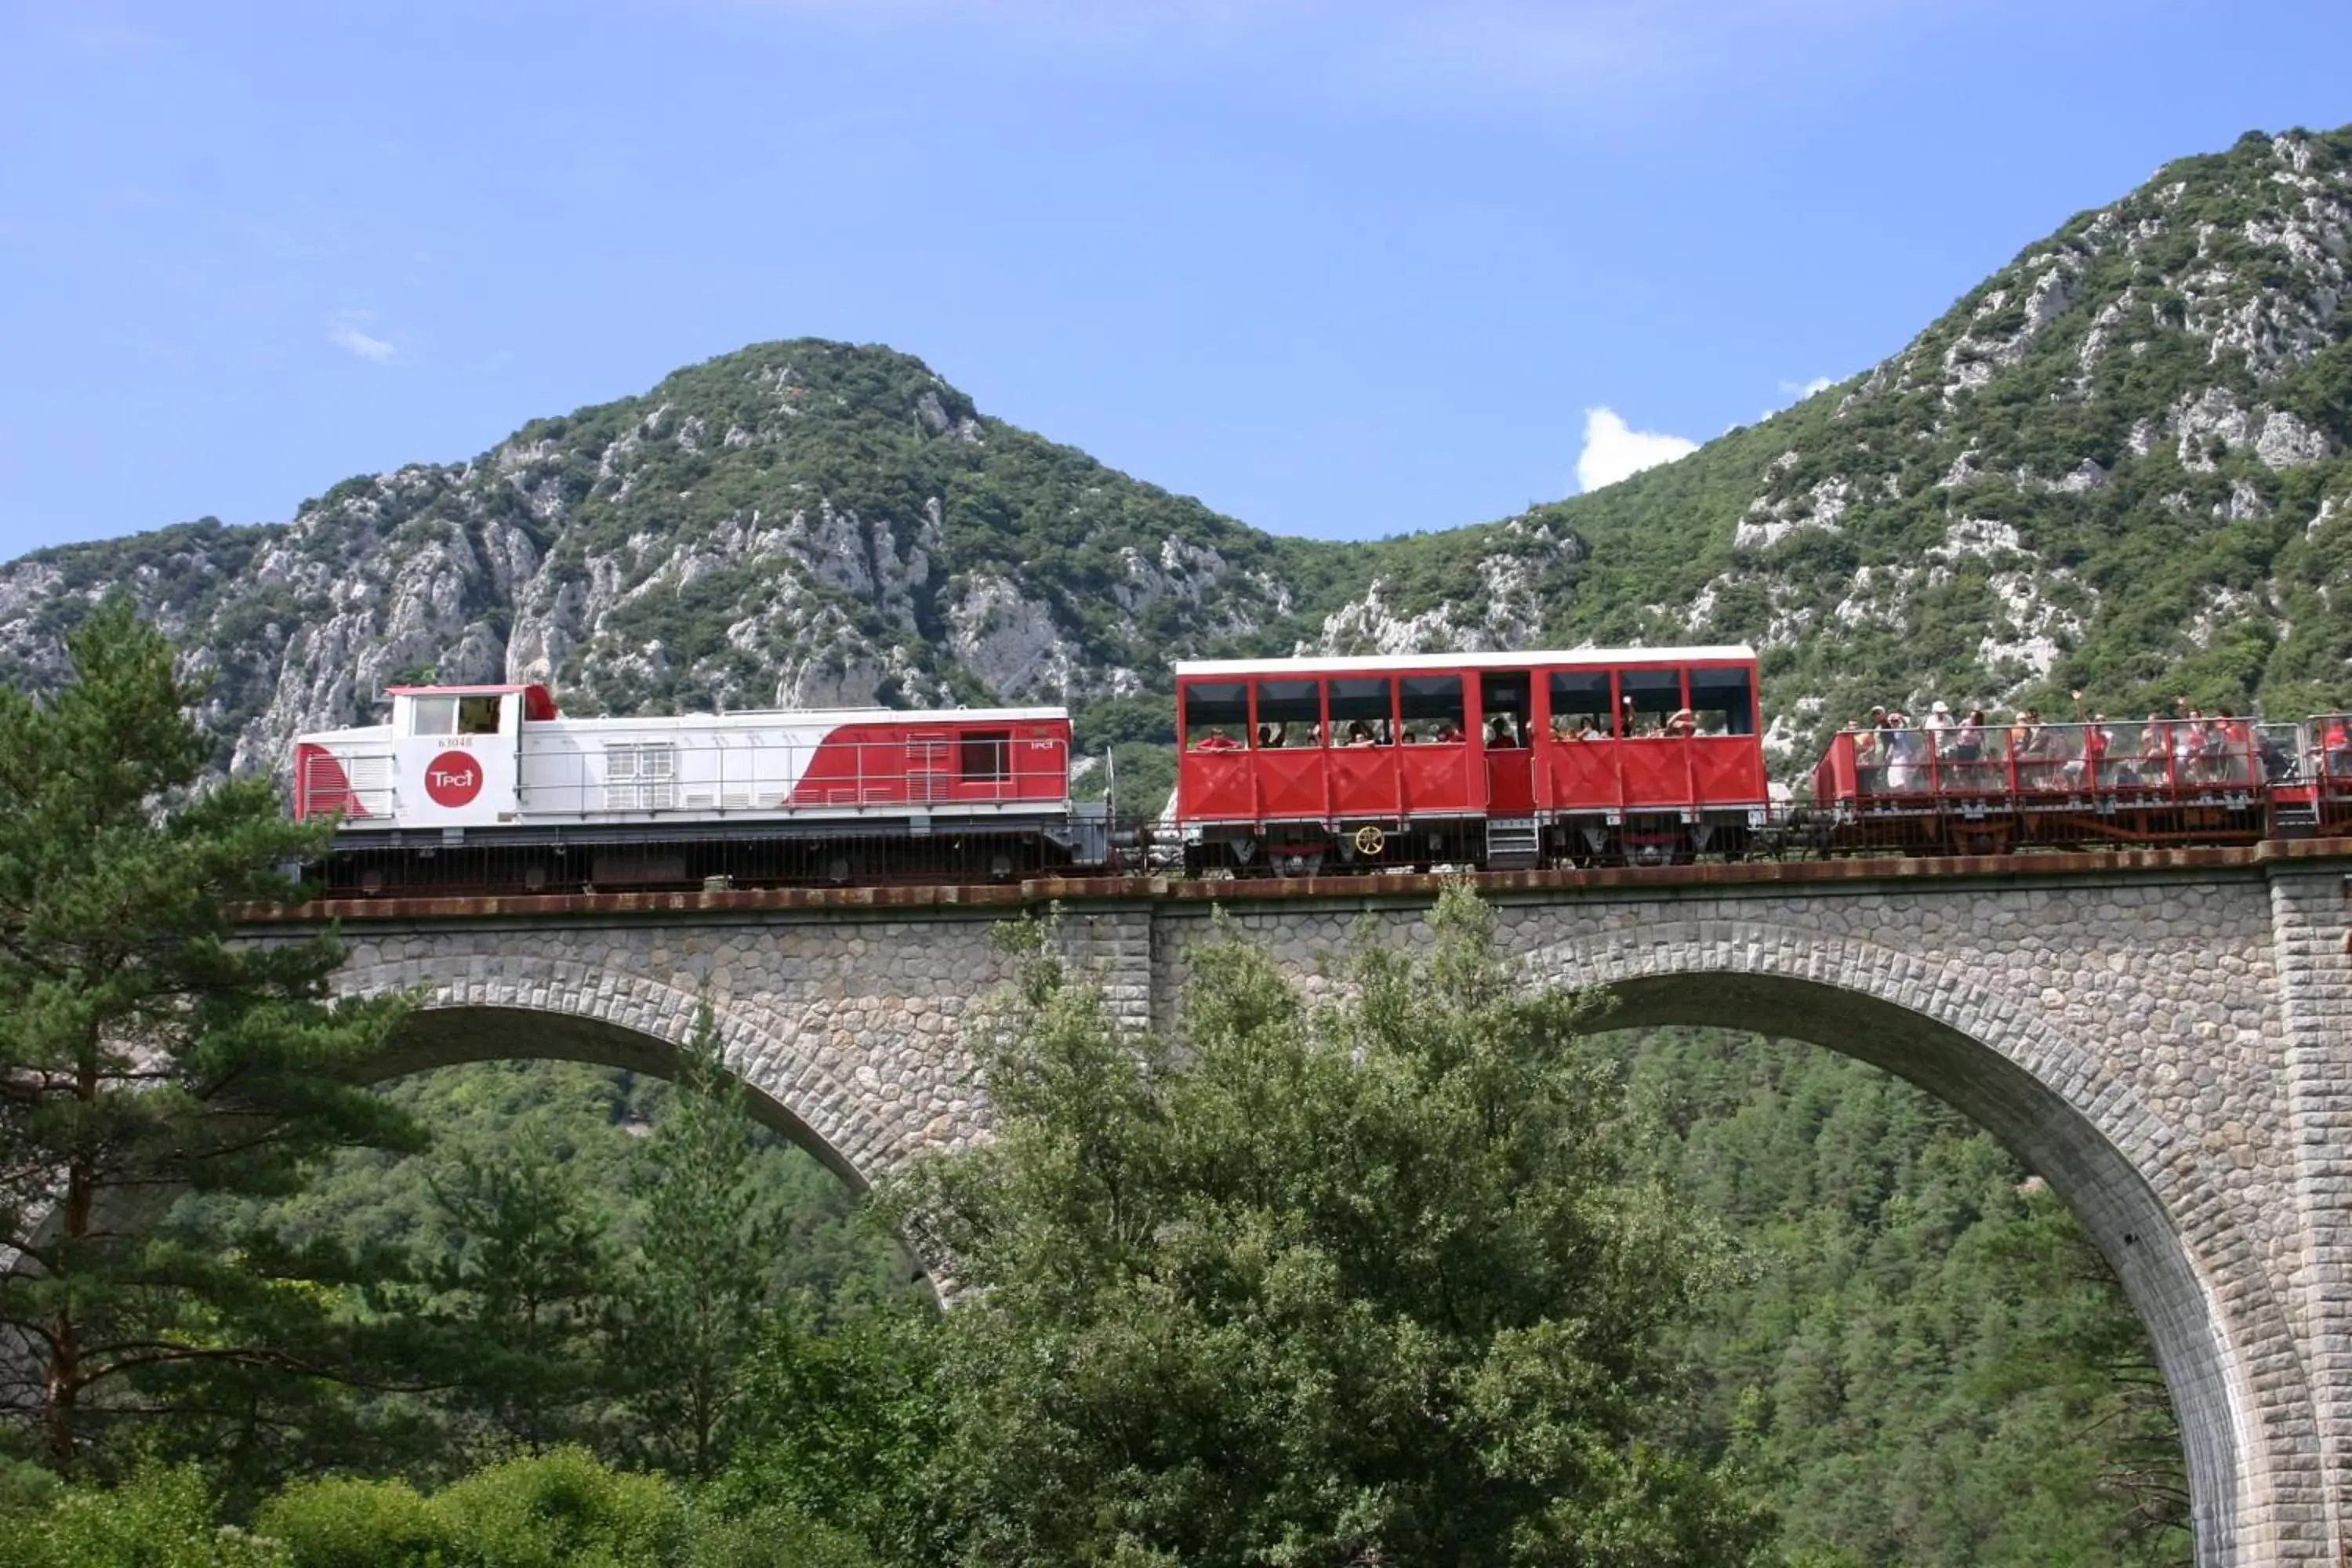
{"type": "Point", "coordinates": [457, 751]}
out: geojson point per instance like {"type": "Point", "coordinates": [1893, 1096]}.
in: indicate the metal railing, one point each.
{"type": "Point", "coordinates": [2161, 758]}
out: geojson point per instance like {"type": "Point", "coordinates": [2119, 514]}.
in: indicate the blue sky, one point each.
{"type": "Point", "coordinates": [1338, 268]}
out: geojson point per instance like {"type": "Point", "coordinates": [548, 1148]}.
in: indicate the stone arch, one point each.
{"type": "Point", "coordinates": [522, 1007]}
{"type": "Point", "coordinates": [2171, 1234]}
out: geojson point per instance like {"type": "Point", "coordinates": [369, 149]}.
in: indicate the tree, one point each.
{"type": "Point", "coordinates": [1367, 1281]}
{"type": "Point", "coordinates": [143, 1052]}
{"type": "Point", "coordinates": [525, 1276]}
{"type": "Point", "coordinates": [840, 1426]}
{"type": "Point", "coordinates": [698, 1291]}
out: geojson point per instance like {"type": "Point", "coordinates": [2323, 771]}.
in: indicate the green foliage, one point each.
{"type": "Point", "coordinates": [561, 1509]}
{"type": "Point", "coordinates": [841, 1427]}
{"type": "Point", "coordinates": [527, 1275]}
{"type": "Point", "coordinates": [157, 1518]}
{"type": "Point", "coordinates": [1930, 1364]}
{"type": "Point", "coordinates": [145, 1052]}
{"type": "Point", "coordinates": [696, 1291]}
{"type": "Point", "coordinates": [1369, 1279]}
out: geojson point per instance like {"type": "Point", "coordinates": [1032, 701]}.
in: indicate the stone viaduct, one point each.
{"type": "Point", "coordinates": [2165, 1035]}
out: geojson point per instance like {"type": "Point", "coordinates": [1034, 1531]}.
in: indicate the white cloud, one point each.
{"type": "Point", "coordinates": [1615, 450]}
{"type": "Point", "coordinates": [1801, 389]}
{"type": "Point", "coordinates": [345, 334]}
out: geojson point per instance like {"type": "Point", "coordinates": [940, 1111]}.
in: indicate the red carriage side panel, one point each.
{"type": "Point", "coordinates": [1656, 773]}
{"type": "Point", "coordinates": [1438, 779]}
{"type": "Point", "coordinates": [1366, 783]}
{"type": "Point", "coordinates": [1726, 770]}
{"type": "Point", "coordinates": [1290, 784]}
{"type": "Point", "coordinates": [1835, 781]}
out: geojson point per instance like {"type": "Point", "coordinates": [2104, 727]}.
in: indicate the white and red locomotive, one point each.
{"type": "Point", "coordinates": [471, 787]}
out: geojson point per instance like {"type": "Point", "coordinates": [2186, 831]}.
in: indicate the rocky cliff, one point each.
{"type": "Point", "coordinates": [2118, 464]}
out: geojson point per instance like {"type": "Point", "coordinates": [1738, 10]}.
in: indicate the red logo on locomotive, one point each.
{"type": "Point", "coordinates": [453, 778]}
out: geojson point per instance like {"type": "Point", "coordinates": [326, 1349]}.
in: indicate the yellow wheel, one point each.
{"type": "Point", "coordinates": [1371, 841]}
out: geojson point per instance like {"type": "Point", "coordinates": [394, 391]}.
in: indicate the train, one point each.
{"type": "Point", "coordinates": [1303, 766]}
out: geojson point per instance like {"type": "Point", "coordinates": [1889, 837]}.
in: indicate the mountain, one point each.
{"type": "Point", "coordinates": [2119, 464]}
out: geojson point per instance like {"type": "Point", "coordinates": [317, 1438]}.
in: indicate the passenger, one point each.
{"type": "Point", "coordinates": [1216, 740]}
{"type": "Point", "coordinates": [2336, 749]}
{"type": "Point", "coordinates": [2155, 751]}
{"type": "Point", "coordinates": [1448, 729]}
{"type": "Point", "coordinates": [1559, 728]}
{"type": "Point", "coordinates": [2278, 762]}
{"type": "Point", "coordinates": [1897, 742]}
{"type": "Point", "coordinates": [2236, 747]}
{"type": "Point", "coordinates": [1590, 729]}
{"type": "Point", "coordinates": [1500, 733]}
{"type": "Point", "coordinates": [1681, 724]}
{"type": "Point", "coordinates": [1269, 736]}
{"type": "Point", "coordinates": [2035, 749]}
{"type": "Point", "coordinates": [2213, 758]}
{"type": "Point", "coordinates": [2089, 770]}
{"type": "Point", "coordinates": [1361, 734]}
{"type": "Point", "coordinates": [1965, 747]}
{"type": "Point", "coordinates": [1870, 753]}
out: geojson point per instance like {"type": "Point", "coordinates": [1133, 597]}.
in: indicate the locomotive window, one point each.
{"type": "Point", "coordinates": [1289, 712]}
{"type": "Point", "coordinates": [1503, 699]}
{"type": "Point", "coordinates": [1649, 697]}
{"type": "Point", "coordinates": [1216, 715]}
{"type": "Point", "coordinates": [1363, 713]}
{"type": "Point", "coordinates": [478, 715]}
{"type": "Point", "coordinates": [1723, 701]}
{"type": "Point", "coordinates": [984, 758]}
{"type": "Point", "coordinates": [432, 715]}
{"type": "Point", "coordinates": [1432, 707]}
{"type": "Point", "coordinates": [1579, 696]}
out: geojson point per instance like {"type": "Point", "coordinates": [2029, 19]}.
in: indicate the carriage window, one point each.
{"type": "Point", "coordinates": [1216, 716]}
{"type": "Point", "coordinates": [1648, 697]}
{"type": "Point", "coordinates": [1432, 707]}
{"type": "Point", "coordinates": [1579, 704]}
{"type": "Point", "coordinates": [984, 757]}
{"type": "Point", "coordinates": [1363, 713]}
{"type": "Point", "coordinates": [478, 715]}
{"type": "Point", "coordinates": [432, 715]}
{"type": "Point", "coordinates": [1723, 701]}
{"type": "Point", "coordinates": [1289, 713]}
{"type": "Point", "coordinates": [1503, 700]}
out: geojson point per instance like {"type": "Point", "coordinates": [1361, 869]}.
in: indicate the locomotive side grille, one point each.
{"type": "Point", "coordinates": [926, 768]}
{"type": "Point", "coordinates": [371, 776]}
{"type": "Point", "coordinates": [640, 775]}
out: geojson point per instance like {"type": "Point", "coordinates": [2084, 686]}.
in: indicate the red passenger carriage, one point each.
{"type": "Point", "coordinates": [1501, 759]}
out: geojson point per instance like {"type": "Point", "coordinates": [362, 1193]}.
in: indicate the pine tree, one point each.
{"type": "Point", "coordinates": [699, 1290]}
{"type": "Point", "coordinates": [526, 1281]}
{"type": "Point", "coordinates": [145, 1052]}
